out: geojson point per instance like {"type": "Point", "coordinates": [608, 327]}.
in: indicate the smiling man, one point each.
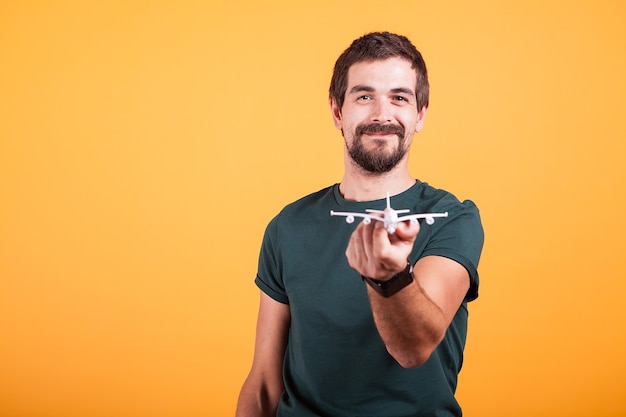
{"type": "Point", "coordinates": [377, 143]}
{"type": "Point", "coordinates": [355, 321]}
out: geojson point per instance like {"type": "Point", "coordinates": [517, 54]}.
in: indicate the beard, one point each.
{"type": "Point", "coordinates": [377, 161]}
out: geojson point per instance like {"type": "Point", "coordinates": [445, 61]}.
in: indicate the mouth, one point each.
{"type": "Point", "coordinates": [379, 134]}
{"type": "Point", "coordinates": [380, 131]}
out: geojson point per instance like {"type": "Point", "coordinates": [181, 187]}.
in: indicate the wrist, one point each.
{"type": "Point", "coordinates": [394, 284]}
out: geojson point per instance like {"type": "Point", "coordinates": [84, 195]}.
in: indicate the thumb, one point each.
{"type": "Point", "coordinates": [407, 231]}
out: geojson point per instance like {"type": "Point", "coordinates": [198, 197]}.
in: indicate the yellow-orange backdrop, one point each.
{"type": "Point", "coordinates": [144, 145]}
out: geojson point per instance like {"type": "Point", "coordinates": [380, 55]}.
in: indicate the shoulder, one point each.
{"type": "Point", "coordinates": [426, 193]}
{"type": "Point", "coordinates": [429, 198]}
{"type": "Point", "coordinates": [461, 214]}
{"type": "Point", "coordinates": [302, 213]}
{"type": "Point", "coordinates": [311, 203]}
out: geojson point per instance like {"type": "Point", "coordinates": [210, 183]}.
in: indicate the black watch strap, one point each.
{"type": "Point", "coordinates": [393, 284]}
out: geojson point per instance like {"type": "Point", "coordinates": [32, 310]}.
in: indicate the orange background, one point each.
{"type": "Point", "coordinates": [144, 146]}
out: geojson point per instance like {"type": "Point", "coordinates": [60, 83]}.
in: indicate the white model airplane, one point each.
{"type": "Point", "coordinates": [389, 217]}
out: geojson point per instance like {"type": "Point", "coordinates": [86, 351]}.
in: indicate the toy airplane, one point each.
{"type": "Point", "coordinates": [389, 217]}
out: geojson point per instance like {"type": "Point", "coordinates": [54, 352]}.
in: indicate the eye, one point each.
{"type": "Point", "coordinates": [364, 98]}
{"type": "Point", "coordinates": [401, 99]}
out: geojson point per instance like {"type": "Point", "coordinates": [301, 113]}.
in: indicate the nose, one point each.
{"type": "Point", "coordinates": [381, 111]}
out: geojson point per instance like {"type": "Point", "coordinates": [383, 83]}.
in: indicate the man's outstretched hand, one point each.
{"type": "Point", "coordinates": [375, 253]}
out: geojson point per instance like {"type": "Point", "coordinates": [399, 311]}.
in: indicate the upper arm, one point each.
{"type": "Point", "coordinates": [271, 333]}
{"type": "Point", "coordinates": [271, 341]}
{"type": "Point", "coordinates": [444, 281]}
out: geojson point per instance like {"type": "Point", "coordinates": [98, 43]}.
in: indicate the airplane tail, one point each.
{"type": "Point", "coordinates": [397, 211]}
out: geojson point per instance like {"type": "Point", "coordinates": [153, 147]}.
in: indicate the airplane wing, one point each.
{"type": "Point", "coordinates": [383, 212]}
{"type": "Point", "coordinates": [429, 217]}
{"type": "Point", "coordinates": [367, 218]}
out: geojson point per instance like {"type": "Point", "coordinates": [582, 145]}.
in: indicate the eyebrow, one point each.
{"type": "Point", "coordinates": [361, 88]}
{"type": "Point", "coordinates": [403, 90]}
{"type": "Point", "coordinates": [365, 88]}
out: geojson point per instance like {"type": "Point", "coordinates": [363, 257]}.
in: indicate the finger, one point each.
{"type": "Point", "coordinates": [380, 239]}
{"type": "Point", "coordinates": [407, 231]}
{"type": "Point", "coordinates": [369, 233]}
{"type": "Point", "coordinates": [356, 252]}
{"type": "Point", "coordinates": [351, 250]}
{"type": "Point", "coordinates": [389, 258]}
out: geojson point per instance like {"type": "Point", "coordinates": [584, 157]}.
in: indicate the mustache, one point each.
{"type": "Point", "coordinates": [378, 128]}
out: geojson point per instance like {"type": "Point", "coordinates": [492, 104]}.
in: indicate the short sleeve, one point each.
{"type": "Point", "coordinates": [459, 237]}
{"type": "Point", "coordinates": [269, 274]}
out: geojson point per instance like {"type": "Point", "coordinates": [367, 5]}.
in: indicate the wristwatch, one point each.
{"type": "Point", "coordinates": [393, 284]}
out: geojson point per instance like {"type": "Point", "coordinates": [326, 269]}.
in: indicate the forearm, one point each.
{"type": "Point", "coordinates": [264, 385]}
{"type": "Point", "coordinates": [256, 400]}
{"type": "Point", "coordinates": [410, 324]}
{"type": "Point", "coordinates": [414, 320]}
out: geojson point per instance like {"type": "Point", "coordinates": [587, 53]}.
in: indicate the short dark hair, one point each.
{"type": "Point", "coordinates": [379, 46]}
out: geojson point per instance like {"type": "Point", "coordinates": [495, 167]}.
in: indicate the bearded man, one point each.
{"type": "Point", "coordinates": [354, 320]}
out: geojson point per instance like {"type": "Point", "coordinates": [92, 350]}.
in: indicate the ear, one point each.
{"type": "Point", "coordinates": [419, 124]}
{"type": "Point", "coordinates": [336, 112]}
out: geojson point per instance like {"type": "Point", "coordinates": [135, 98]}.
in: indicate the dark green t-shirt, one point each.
{"type": "Point", "coordinates": [336, 363]}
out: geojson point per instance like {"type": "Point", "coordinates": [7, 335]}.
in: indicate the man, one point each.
{"type": "Point", "coordinates": [330, 341]}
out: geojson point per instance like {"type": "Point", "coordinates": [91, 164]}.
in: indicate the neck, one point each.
{"type": "Point", "coordinates": [357, 185]}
